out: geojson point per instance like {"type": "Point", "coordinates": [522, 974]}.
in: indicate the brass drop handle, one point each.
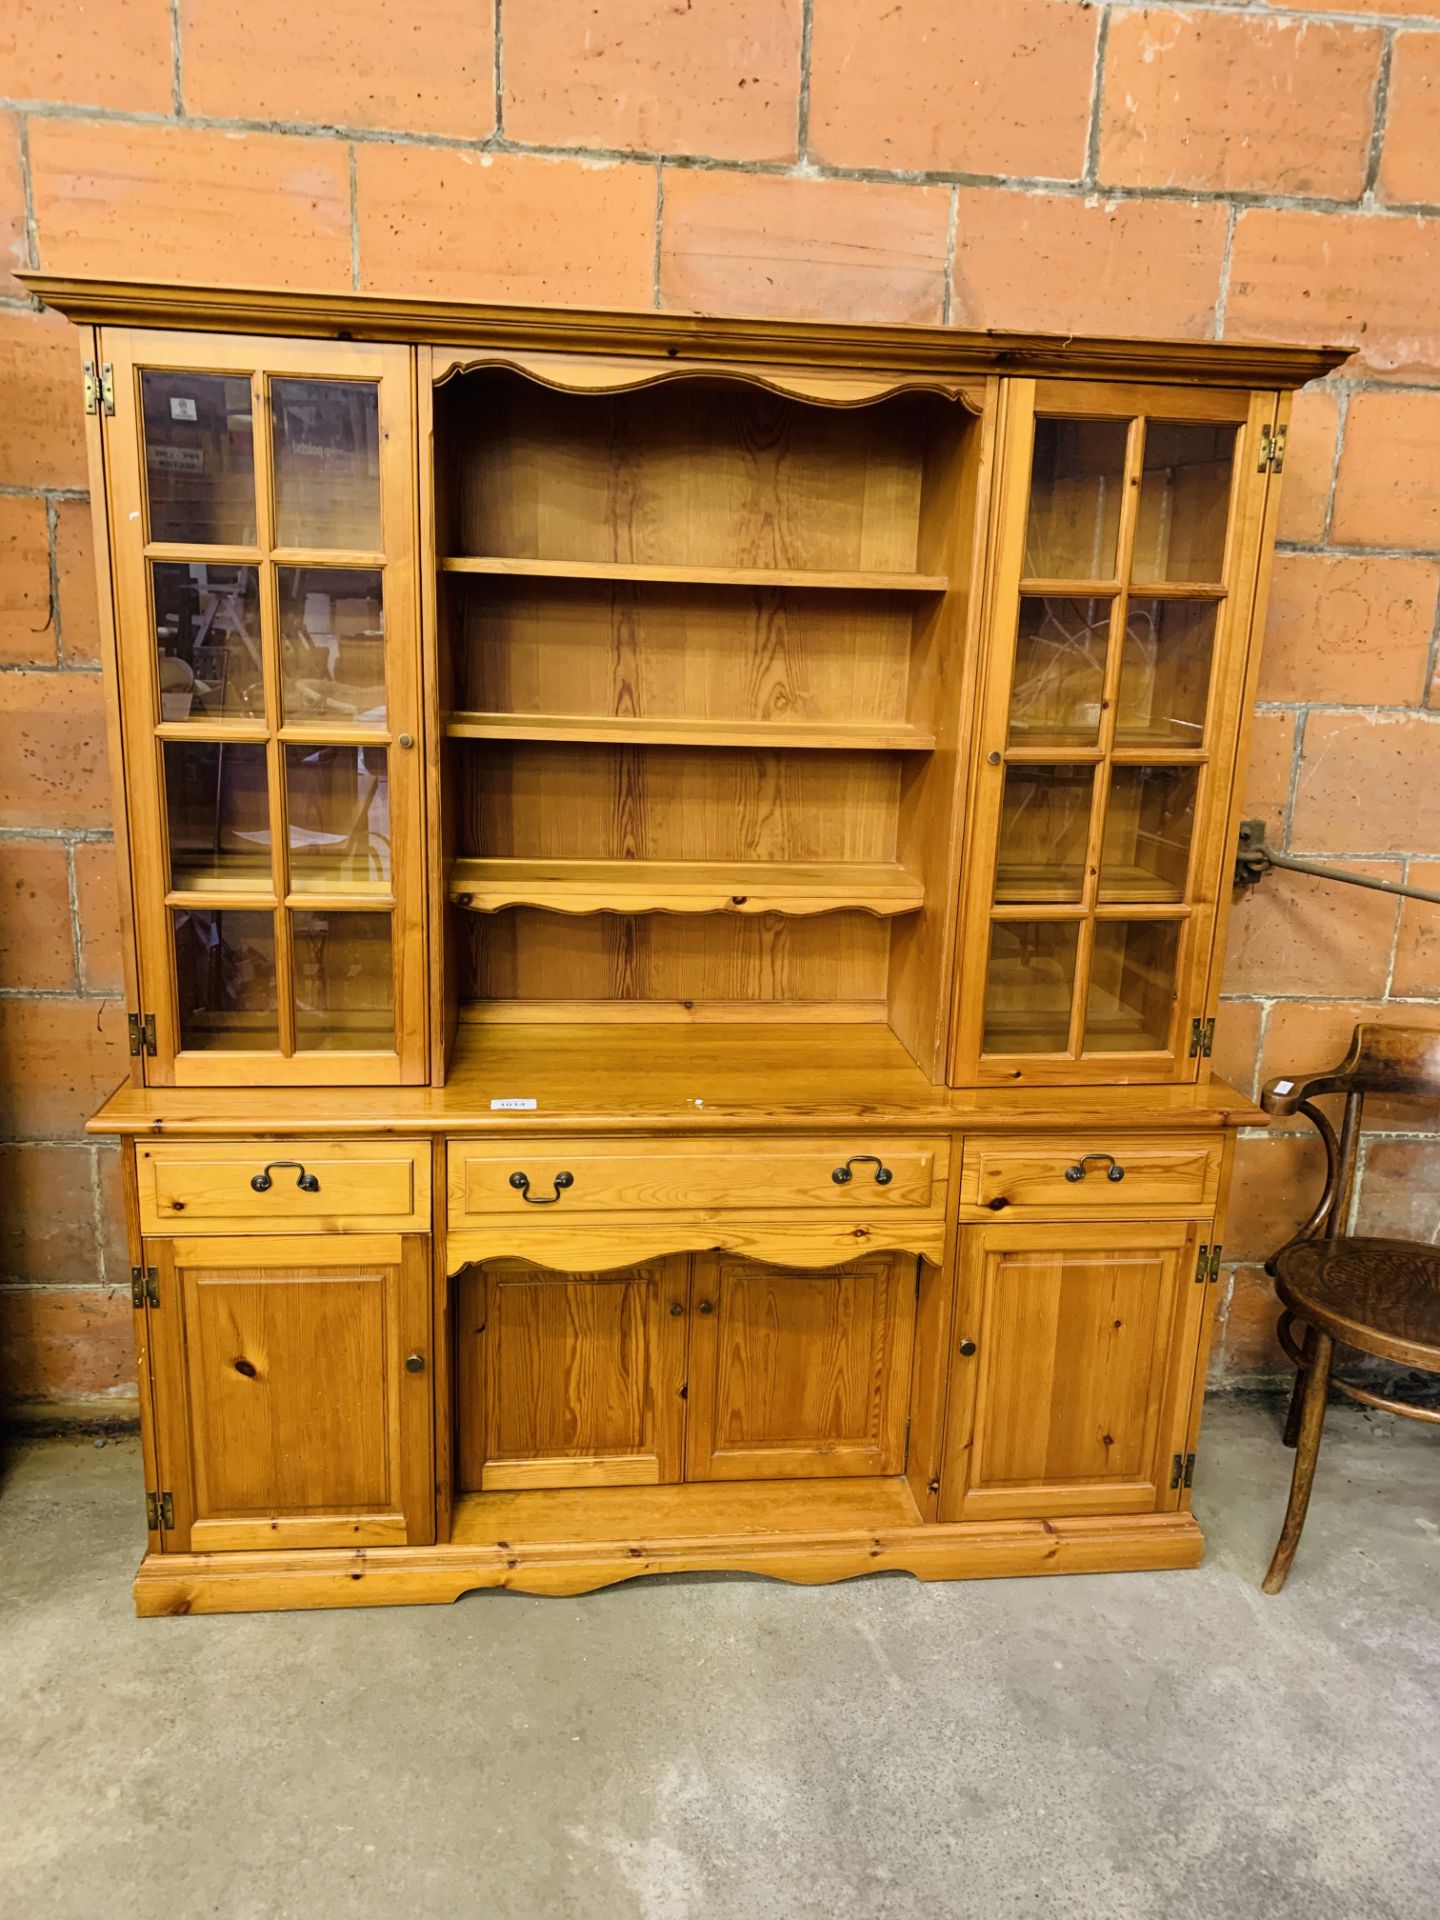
{"type": "Point", "coordinates": [415, 1363]}
{"type": "Point", "coordinates": [967, 1347]}
{"type": "Point", "coordinates": [1113, 1170]}
{"type": "Point", "coordinates": [842, 1176]}
{"type": "Point", "coordinates": [521, 1184]}
{"type": "Point", "coordinates": [307, 1182]}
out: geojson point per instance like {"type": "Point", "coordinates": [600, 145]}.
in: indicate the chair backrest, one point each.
{"type": "Point", "coordinates": [1394, 1060]}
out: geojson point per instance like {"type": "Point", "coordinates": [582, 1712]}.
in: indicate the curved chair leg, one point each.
{"type": "Point", "coordinates": [1297, 1397]}
{"type": "Point", "coordinates": [1312, 1420]}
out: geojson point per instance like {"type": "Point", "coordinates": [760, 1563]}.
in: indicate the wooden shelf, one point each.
{"type": "Point", "coordinates": [859, 581]}
{"type": "Point", "coordinates": [686, 886]}
{"type": "Point", "coordinates": [631, 730]}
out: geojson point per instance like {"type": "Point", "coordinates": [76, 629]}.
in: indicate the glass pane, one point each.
{"type": "Point", "coordinates": [1059, 669]}
{"type": "Point", "coordinates": [207, 637]}
{"type": "Point", "coordinates": [1184, 501]}
{"type": "Point", "coordinates": [225, 979]}
{"type": "Point", "coordinates": [199, 458]}
{"type": "Point", "coordinates": [338, 808]}
{"type": "Point", "coordinates": [327, 463]}
{"type": "Point", "coordinates": [1148, 827]}
{"type": "Point", "coordinates": [344, 998]}
{"type": "Point", "coordinates": [1044, 827]}
{"type": "Point", "coordinates": [1028, 989]}
{"type": "Point", "coordinates": [218, 812]}
{"type": "Point", "coordinates": [1075, 486]}
{"type": "Point", "coordinates": [1165, 673]}
{"type": "Point", "coordinates": [1132, 986]}
{"type": "Point", "coordinates": [332, 645]}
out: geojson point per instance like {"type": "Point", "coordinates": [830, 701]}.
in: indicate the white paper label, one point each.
{"type": "Point", "coordinates": [180, 408]}
{"type": "Point", "coordinates": [512, 1106]}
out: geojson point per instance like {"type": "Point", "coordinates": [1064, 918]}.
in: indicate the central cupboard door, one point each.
{"type": "Point", "coordinates": [292, 1390]}
{"type": "Point", "coordinates": [1073, 1368]}
{"type": "Point", "coordinates": [572, 1379]}
{"type": "Point", "coordinates": [799, 1375]}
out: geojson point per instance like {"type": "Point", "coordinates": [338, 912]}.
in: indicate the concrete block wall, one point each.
{"type": "Point", "coordinates": [1214, 170]}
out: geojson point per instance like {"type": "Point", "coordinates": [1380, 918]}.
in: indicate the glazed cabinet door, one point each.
{"type": "Point", "coordinates": [1119, 617]}
{"type": "Point", "coordinates": [799, 1374]}
{"type": "Point", "coordinates": [1074, 1357]}
{"type": "Point", "coordinates": [262, 507]}
{"type": "Point", "coordinates": [292, 1391]}
{"type": "Point", "coordinates": [571, 1379]}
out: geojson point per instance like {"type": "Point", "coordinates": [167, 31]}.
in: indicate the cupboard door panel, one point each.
{"type": "Point", "coordinates": [571, 1379]}
{"type": "Point", "coordinates": [262, 530]}
{"type": "Point", "coordinates": [799, 1375]}
{"type": "Point", "coordinates": [1075, 1352]}
{"type": "Point", "coordinates": [291, 1410]}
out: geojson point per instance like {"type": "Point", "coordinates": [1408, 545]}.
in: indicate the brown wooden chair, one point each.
{"type": "Point", "coordinates": [1379, 1296]}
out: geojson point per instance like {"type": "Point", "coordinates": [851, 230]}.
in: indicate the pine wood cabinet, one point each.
{"type": "Point", "coordinates": [673, 874]}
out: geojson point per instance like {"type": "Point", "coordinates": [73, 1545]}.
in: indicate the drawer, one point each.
{"type": "Point", "coordinates": [348, 1185]}
{"type": "Point", "coordinates": [1071, 1176]}
{"type": "Point", "coordinates": [550, 1180]}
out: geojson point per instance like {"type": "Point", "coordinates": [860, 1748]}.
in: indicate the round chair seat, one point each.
{"type": "Point", "coordinates": [1382, 1296]}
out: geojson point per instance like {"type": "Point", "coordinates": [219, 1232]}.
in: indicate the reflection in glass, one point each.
{"type": "Point", "coordinates": [1044, 826]}
{"type": "Point", "coordinates": [1148, 827]}
{"type": "Point", "coordinates": [1059, 671]}
{"type": "Point", "coordinates": [218, 813]}
{"type": "Point", "coordinates": [1132, 986]}
{"type": "Point", "coordinates": [344, 996]}
{"type": "Point", "coordinates": [326, 439]}
{"type": "Point", "coordinates": [1028, 988]}
{"type": "Point", "coordinates": [1184, 501]}
{"type": "Point", "coordinates": [199, 457]}
{"type": "Point", "coordinates": [207, 638]}
{"type": "Point", "coordinates": [332, 645]}
{"type": "Point", "coordinates": [1076, 482]}
{"type": "Point", "coordinates": [225, 979]}
{"type": "Point", "coordinates": [338, 811]}
{"type": "Point", "coordinates": [1165, 673]}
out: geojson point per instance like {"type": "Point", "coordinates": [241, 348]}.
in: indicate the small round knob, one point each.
{"type": "Point", "coordinates": [676, 1309]}
{"type": "Point", "coordinates": [407, 739]}
{"type": "Point", "coordinates": [415, 1363]}
{"type": "Point", "coordinates": [967, 1347]}
{"type": "Point", "coordinates": [993, 758]}
{"type": "Point", "coordinates": [707, 1306]}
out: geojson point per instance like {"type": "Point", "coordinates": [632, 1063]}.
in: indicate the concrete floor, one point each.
{"type": "Point", "coordinates": [1125, 1745]}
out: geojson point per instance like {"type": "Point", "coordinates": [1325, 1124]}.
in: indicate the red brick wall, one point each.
{"type": "Point", "coordinates": [1217, 170]}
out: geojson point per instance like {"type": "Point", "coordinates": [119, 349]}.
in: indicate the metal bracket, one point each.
{"type": "Point", "coordinates": [1253, 860]}
{"type": "Point", "coordinates": [98, 385]}
{"type": "Point", "coordinates": [142, 1033]}
{"type": "Point", "coordinates": [144, 1287]}
{"type": "Point", "coordinates": [159, 1511]}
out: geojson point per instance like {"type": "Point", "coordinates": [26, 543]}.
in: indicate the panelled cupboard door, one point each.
{"type": "Point", "coordinates": [799, 1375]}
{"type": "Point", "coordinates": [571, 1379]}
{"type": "Point", "coordinates": [262, 520]}
{"type": "Point", "coordinates": [1074, 1355]}
{"type": "Point", "coordinates": [1117, 632]}
{"type": "Point", "coordinates": [292, 1391]}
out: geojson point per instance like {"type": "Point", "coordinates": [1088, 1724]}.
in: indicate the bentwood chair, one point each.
{"type": "Point", "coordinates": [1381, 1297]}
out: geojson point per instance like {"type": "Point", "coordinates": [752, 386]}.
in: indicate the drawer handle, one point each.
{"type": "Point", "coordinates": [1113, 1169]}
{"type": "Point", "coordinates": [521, 1184]}
{"type": "Point", "coordinates": [842, 1176]}
{"type": "Point", "coordinates": [307, 1182]}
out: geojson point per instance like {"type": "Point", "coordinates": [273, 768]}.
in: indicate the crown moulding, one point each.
{"type": "Point", "coordinates": [940, 354]}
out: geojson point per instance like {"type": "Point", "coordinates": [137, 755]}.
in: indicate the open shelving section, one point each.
{"type": "Point", "coordinates": [701, 656]}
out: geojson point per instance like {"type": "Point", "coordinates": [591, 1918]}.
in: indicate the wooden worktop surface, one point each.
{"type": "Point", "coordinates": [621, 1079]}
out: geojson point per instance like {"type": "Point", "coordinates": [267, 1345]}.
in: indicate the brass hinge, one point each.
{"type": "Point", "coordinates": [905, 1461]}
{"type": "Point", "coordinates": [99, 387]}
{"type": "Point", "coordinates": [1202, 1266]}
{"type": "Point", "coordinates": [1202, 1038]}
{"type": "Point", "coordinates": [1189, 1476]}
{"type": "Point", "coordinates": [160, 1511]}
{"type": "Point", "coordinates": [142, 1032]}
{"type": "Point", "coordinates": [1177, 1470]}
{"type": "Point", "coordinates": [144, 1287]}
{"type": "Point", "coordinates": [1215, 1253]}
{"type": "Point", "coordinates": [1272, 450]}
